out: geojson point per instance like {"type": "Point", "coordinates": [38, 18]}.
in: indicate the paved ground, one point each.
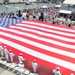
{"type": "Point", "coordinates": [5, 72]}
{"type": "Point", "coordinates": [15, 7]}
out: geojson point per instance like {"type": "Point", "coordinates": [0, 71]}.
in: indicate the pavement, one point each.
{"type": "Point", "coordinates": [5, 72]}
{"type": "Point", "coordinates": [16, 7]}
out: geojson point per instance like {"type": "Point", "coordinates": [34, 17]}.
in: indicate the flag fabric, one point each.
{"type": "Point", "coordinates": [50, 45]}
{"type": "Point", "coordinates": [6, 21]}
{"type": "Point", "coordinates": [0, 19]}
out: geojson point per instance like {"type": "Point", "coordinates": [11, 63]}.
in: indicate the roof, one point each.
{"type": "Point", "coordinates": [65, 12]}
{"type": "Point", "coordinates": [69, 2]}
{"type": "Point", "coordinates": [58, 6]}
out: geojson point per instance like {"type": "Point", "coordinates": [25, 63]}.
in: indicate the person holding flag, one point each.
{"type": "Point", "coordinates": [6, 53]}
{"type": "Point", "coordinates": [34, 66]}
{"type": "Point", "coordinates": [20, 58]}
{"type": "Point", "coordinates": [11, 55]}
{"type": "Point", "coordinates": [1, 50]}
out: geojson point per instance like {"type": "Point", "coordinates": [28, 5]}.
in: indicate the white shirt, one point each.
{"type": "Point", "coordinates": [1, 48]}
{"type": "Point", "coordinates": [11, 56]}
{"type": "Point", "coordinates": [56, 72]}
{"type": "Point", "coordinates": [6, 51]}
{"type": "Point", "coordinates": [34, 64]}
{"type": "Point", "coordinates": [20, 59]}
{"type": "Point", "coordinates": [20, 67]}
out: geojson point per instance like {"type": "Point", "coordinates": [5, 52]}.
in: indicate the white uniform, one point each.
{"type": "Point", "coordinates": [56, 72]}
{"type": "Point", "coordinates": [20, 69]}
{"type": "Point", "coordinates": [34, 65]}
{"type": "Point", "coordinates": [11, 56]}
{"type": "Point", "coordinates": [6, 53]}
{"type": "Point", "coordinates": [21, 59]}
{"type": "Point", "coordinates": [1, 50]}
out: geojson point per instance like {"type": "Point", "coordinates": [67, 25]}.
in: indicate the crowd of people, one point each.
{"type": "Point", "coordinates": [50, 15]}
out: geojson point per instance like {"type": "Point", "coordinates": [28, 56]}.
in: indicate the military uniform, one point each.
{"type": "Point", "coordinates": [34, 65]}
{"type": "Point", "coordinates": [1, 50]}
{"type": "Point", "coordinates": [56, 72]}
{"type": "Point", "coordinates": [6, 53]}
{"type": "Point", "coordinates": [11, 56]}
{"type": "Point", "coordinates": [20, 58]}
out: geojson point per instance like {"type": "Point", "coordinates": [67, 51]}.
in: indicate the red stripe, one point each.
{"type": "Point", "coordinates": [42, 42]}
{"type": "Point", "coordinates": [55, 25]}
{"type": "Point", "coordinates": [44, 36]}
{"type": "Point", "coordinates": [48, 32]}
{"type": "Point", "coordinates": [40, 50]}
{"type": "Point", "coordinates": [47, 28]}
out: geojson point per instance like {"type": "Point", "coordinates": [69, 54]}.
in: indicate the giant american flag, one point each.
{"type": "Point", "coordinates": [50, 45]}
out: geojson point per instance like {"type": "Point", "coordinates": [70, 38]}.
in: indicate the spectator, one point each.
{"type": "Point", "coordinates": [41, 17]}
{"type": "Point", "coordinates": [69, 25]}
{"type": "Point", "coordinates": [27, 16]}
{"type": "Point", "coordinates": [19, 13]}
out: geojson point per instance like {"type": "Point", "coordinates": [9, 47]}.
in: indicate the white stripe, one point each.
{"type": "Point", "coordinates": [40, 38]}
{"type": "Point", "coordinates": [14, 20]}
{"type": "Point", "coordinates": [6, 22]}
{"type": "Point", "coordinates": [10, 21]}
{"type": "Point", "coordinates": [57, 61]}
{"type": "Point", "coordinates": [3, 20]}
{"type": "Point", "coordinates": [48, 30]}
{"type": "Point", "coordinates": [59, 28]}
{"type": "Point", "coordinates": [45, 34]}
{"type": "Point", "coordinates": [48, 48]}
{"type": "Point", "coordinates": [18, 20]}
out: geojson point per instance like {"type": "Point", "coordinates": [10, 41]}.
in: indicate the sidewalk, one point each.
{"type": "Point", "coordinates": [5, 72]}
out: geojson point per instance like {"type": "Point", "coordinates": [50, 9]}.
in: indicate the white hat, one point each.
{"type": "Point", "coordinates": [4, 46]}
{"type": "Point", "coordinates": [21, 62]}
{"type": "Point", "coordinates": [20, 53]}
{"type": "Point", "coordinates": [34, 60]}
{"type": "Point", "coordinates": [58, 68]}
{"type": "Point", "coordinates": [10, 50]}
{"type": "Point", "coordinates": [71, 74]}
